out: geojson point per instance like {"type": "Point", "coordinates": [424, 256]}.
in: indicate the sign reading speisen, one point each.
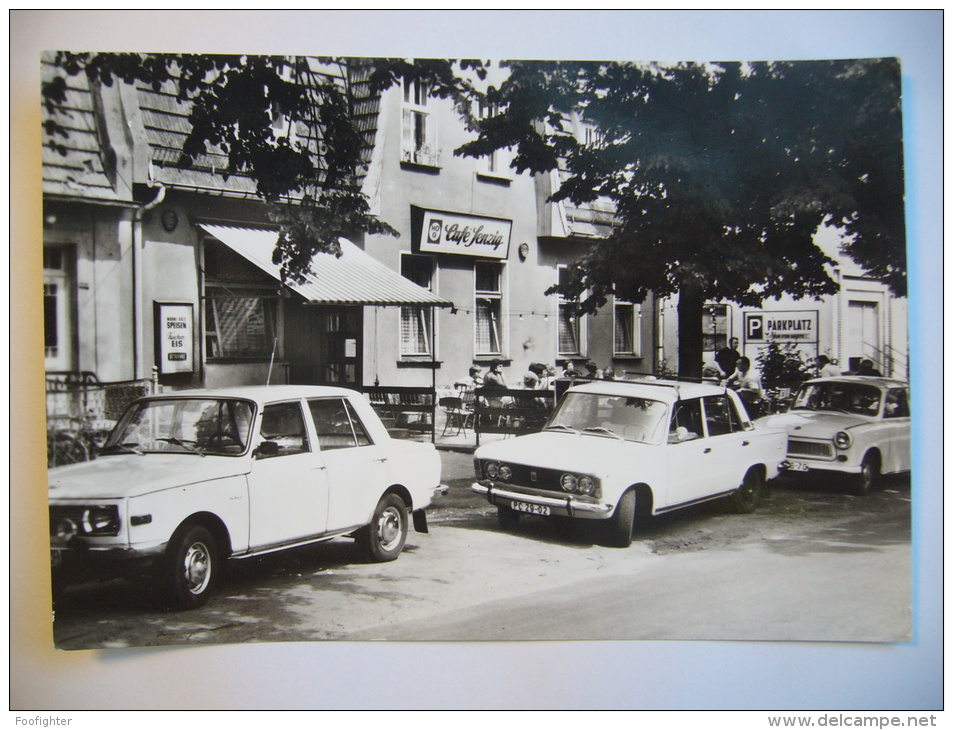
{"type": "Point", "coordinates": [798, 327]}
{"type": "Point", "coordinates": [468, 235]}
{"type": "Point", "coordinates": [174, 338]}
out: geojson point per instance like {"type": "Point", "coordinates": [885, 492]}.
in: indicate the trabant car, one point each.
{"type": "Point", "coordinates": [858, 426]}
{"type": "Point", "coordinates": [616, 451]}
{"type": "Point", "coordinates": [189, 479]}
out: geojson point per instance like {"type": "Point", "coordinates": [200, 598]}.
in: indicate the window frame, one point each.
{"type": "Point", "coordinates": [635, 331]}
{"type": "Point", "coordinates": [416, 148]}
{"type": "Point", "coordinates": [494, 295]}
{"type": "Point", "coordinates": [215, 289]}
{"type": "Point", "coordinates": [422, 314]}
{"type": "Point", "coordinates": [306, 447]}
{"type": "Point", "coordinates": [360, 436]}
{"type": "Point", "coordinates": [581, 329]}
{"type": "Point", "coordinates": [497, 164]}
{"type": "Point", "coordinates": [57, 273]}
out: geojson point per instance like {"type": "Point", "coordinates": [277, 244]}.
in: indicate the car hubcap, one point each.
{"type": "Point", "coordinates": [197, 568]}
{"type": "Point", "coordinates": [389, 528]}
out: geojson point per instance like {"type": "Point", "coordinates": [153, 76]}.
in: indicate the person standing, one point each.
{"type": "Point", "coordinates": [825, 368]}
{"type": "Point", "coordinates": [727, 357]}
{"type": "Point", "coordinates": [748, 384]}
{"type": "Point", "coordinates": [867, 368]}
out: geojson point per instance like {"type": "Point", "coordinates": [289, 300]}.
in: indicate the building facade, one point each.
{"type": "Point", "coordinates": [150, 267]}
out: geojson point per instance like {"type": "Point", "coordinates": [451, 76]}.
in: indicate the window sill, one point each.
{"type": "Point", "coordinates": [489, 177]}
{"type": "Point", "coordinates": [419, 362]}
{"type": "Point", "coordinates": [627, 356]}
{"type": "Point", "coordinates": [419, 167]}
{"type": "Point", "coordinates": [507, 361]}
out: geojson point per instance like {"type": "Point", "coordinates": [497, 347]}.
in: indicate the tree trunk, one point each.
{"type": "Point", "coordinates": [690, 305]}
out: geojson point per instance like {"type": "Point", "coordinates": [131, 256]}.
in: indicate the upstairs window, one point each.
{"type": "Point", "coordinates": [497, 163]}
{"type": "Point", "coordinates": [488, 287]}
{"type": "Point", "coordinates": [418, 127]}
{"type": "Point", "coordinates": [416, 322]}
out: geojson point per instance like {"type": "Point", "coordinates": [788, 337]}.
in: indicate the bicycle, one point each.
{"type": "Point", "coordinates": [75, 442]}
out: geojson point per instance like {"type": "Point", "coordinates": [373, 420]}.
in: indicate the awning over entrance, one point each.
{"type": "Point", "coordinates": [354, 278]}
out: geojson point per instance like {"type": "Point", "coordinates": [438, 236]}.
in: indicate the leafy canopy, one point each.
{"type": "Point", "coordinates": [720, 173]}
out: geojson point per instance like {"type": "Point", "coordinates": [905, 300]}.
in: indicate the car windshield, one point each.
{"type": "Point", "coordinates": [622, 417]}
{"type": "Point", "coordinates": [839, 397]}
{"type": "Point", "coordinates": [216, 426]}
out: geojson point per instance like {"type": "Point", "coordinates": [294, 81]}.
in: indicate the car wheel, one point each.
{"type": "Point", "coordinates": [508, 517]}
{"type": "Point", "coordinates": [747, 497]}
{"type": "Point", "coordinates": [869, 474]}
{"type": "Point", "coordinates": [618, 529]}
{"type": "Point", "coordinates": [384, 538]}
{"type": "Point", "coordinates": [191, 566]}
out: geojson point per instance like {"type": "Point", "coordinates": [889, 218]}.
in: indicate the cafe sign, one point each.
{"type": "Point", "coordinates": [465, 234]}
{"type": "Point", "coordinates": [798, 327]}
{"type": "Point", "coordinates": [175, 336]}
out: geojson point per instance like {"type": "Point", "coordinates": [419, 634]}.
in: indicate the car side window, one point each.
{"type": "Point", "coordinates": [360, 433]}
{"type": "Point", "coordinates": [896, 405]}
{"type": "Point", "coordinates": [686, 421]}
{"type": "Point", "coordinates": [283, 424]}
{"type": "Point", "coordinates": [337, 424]}
{"type": "Point", "coordinates": [721, 416]}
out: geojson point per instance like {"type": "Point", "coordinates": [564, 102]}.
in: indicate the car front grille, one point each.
{"type": "Point", "coordinates": [812, 449]}
{"type": "Point", "coordinates": [533, 476]}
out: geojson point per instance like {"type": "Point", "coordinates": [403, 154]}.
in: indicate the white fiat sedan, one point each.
{"type": "Point", "coordinates": [856, 427]}
{"type": "Point", "coordinates": [615, 451]}
{"type": "Point", "coordinates": [190, 479]}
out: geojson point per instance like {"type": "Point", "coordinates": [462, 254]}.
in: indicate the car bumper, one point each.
{"type": "Point", "coordinates": [106, 561]}
{"type": "Point", "coordinates": [567, 506]}
{"type": "Point", "coordinates": [795, 466]}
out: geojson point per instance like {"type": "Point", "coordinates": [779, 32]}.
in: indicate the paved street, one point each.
{"type": "Point", "coordinates": [810, 564]}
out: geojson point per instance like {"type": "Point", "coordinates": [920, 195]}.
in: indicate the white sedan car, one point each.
{"type": "Point", "coordinates": [848, 425]}
{"type": "Point", "coordinates": [614, 451]}
{"type": "Point", "coordinates": [192, 478]}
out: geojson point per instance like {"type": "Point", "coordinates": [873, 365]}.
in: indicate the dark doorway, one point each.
{"type": "Point", "coordinates": [323, 345]}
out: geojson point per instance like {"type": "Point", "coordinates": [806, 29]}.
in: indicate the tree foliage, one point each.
{"type": "Point", "coordinates": [720, 174]}
{"type": "Point", "coordinates": [242, 108]}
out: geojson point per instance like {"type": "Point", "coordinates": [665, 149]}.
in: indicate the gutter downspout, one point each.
{"type": "Point", "coordinates": [138, 344]}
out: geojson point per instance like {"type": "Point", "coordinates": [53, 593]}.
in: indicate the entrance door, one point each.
{"type": "Point", "coordinates": [323, 344]}
{"type": "Point", "coordinates": [343, 363]}
{"type": "Point", "coordinates": [863, 333]}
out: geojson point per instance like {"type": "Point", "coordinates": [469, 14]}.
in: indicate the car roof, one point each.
{"type": "Point", "coordinates": [881, 382]}
{"type": "Point", "coordinates": [259, 393]}
{"type": "Point", "coordinates": [664, 390]}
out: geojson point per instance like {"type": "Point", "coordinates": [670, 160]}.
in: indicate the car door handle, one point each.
{"type": "Point", "coordinates": [745, 443]}
{"type": "Point", "coordinates": [707, 450]}
{"type": "Point", "coordinates": [383, 458]}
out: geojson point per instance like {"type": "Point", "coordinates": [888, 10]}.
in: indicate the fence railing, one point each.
{"type": "Point", "coordinates": [510, 411]}
{"type": "Point", "coordinates": [81, 411]}
{"type": "Point", "coordinates": [405, 411]}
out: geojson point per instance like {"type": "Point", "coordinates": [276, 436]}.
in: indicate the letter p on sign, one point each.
{"type": "Point", "coordinates": [755, 327]}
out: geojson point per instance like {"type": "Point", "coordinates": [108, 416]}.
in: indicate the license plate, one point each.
{"type": "Point", "coordinates": [533, 509]}
{"type": "Point", "coordinates": [797, 466]}
{"type": "Point", "coordinates": [56, 557]}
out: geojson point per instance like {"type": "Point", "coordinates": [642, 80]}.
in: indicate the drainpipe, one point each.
{"type": "Point", "coordinates": [138, 340]}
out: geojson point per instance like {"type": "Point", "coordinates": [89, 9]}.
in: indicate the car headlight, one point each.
{"type": "Point", "coordinates": [505, 472]}
{"type": "Point", "coordinates": [842, 440]}
{"type": "Point", "coordinates": [101, 521]}
{"type": "Point", "coordinates": [585, 485]}
{"type": "Point", "coordinates": [568, 482]}
{"type": "Point", "coordinates": [491, 469]}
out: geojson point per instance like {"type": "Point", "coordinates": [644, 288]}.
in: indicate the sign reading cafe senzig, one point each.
{"type": "Point", "coordinates": [465, 234]}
